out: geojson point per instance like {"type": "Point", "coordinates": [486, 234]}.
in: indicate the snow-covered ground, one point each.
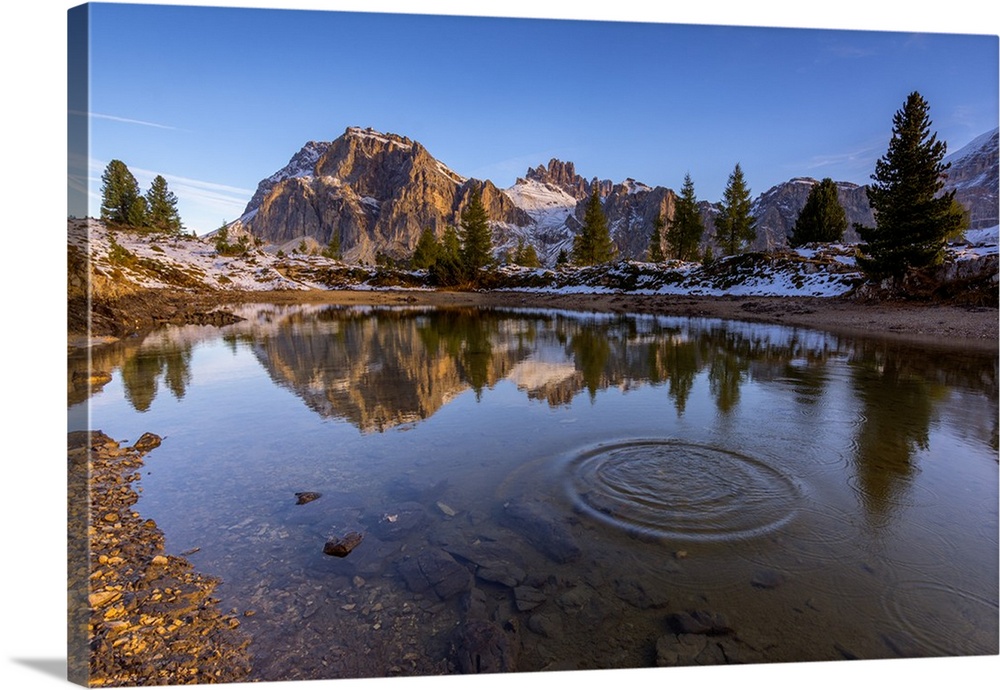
{"type": "Point", "coordinates": [152, 260]}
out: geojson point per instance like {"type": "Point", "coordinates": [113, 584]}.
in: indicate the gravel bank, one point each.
{"type": "Point", "coordinates": [138, 616]}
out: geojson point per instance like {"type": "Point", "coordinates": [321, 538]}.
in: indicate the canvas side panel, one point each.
{"type": "Point", "coordinates": [78, 292]}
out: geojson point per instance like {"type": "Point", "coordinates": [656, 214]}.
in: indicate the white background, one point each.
{"type": "Point", "coordinates": [32, 265]}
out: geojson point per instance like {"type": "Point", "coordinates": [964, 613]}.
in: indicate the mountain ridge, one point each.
{"type": "Point", "coordinates": [375, 192]}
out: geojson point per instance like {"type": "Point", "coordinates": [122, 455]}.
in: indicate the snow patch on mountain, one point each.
{"type": "Point", "coordinates": [547, 204]}
{"type": "Point", "coordinates": [984, 144]}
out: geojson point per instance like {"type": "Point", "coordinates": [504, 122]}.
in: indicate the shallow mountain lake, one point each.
{"type": "Point", "coordinates": [596, 490]}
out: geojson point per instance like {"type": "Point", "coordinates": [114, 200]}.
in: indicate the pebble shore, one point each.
{"type": "Point", "coordinates": [137, 615]}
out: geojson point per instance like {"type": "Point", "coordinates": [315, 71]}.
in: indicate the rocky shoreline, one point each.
{"type": "Point", "coordinates": [138, 616]}
{"type": "Point", "coordinates": [951, 324]}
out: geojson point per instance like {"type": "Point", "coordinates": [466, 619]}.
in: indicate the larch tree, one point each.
{"type": "Point", "coordinates": [477, 241]}
{"type": "Point", "coordinates": [735, 226]}
{"type": "Point", "coordinates": [822, 219]}
{"type": "Point", "coordinates": [913, 219]}
{"type": "Point", "coordinates": [686, 228]}
{"type": "Point", "coordinates": [161, 206]}
{"type": "Point", "coordinates": [121, 201]}
{"type": "Point", "coordinates": [593, 244]}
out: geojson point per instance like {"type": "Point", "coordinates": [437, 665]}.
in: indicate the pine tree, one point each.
{"type": "Point", "coordinates": [562, 258]}
{"type": "Point", "coordinates": [656, 240]}
{"type": "Point", "coordinates": [912, 219]}
{"type": "Point", "coordinates": [477, 242]}
{"type": "Point", "coordinates": [162, 208]}
{"type": "Point", "coordinates": [448, 268]}
{"type": "Point", "coordinates": [451, 246]}
{"type": "Point", "coordinates": [593, 243]}
{"type": "Point", "coordinates": [427, 250]}
{"type": "Point", "coordinates": [822, 219]}
{"type": "Point", "coordinates": [735, 226]}
{"type": "Point", "coordinates": [332, 250]}
{"type": "Point", "coordinates": [526, 255]}
{"type": "Point", "coordinates": [121, 202]}
{"type": "Point", "coordinates": [686, 228]}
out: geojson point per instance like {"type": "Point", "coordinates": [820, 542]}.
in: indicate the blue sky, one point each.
{"type": "Point", "coordinates": [217, 98]}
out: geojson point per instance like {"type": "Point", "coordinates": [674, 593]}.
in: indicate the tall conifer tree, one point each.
{"type": "Point", "coordinates": [427, 250]}
{"type": "Point", "coordinates": [913, 220]}
{"type": "Point", "coordinates": [593, 244]}
{"type": "Point", "coordinates": [822, 219]}
{"type": "Point", "coordinates": [477, 241]}
{"type": "Point", "coordinates": [686, 229]}
{"type": "Point", "coordinates": [735, 226]}
{"type": "Point", "coordinates": [161, 206]}
{"type": "Point", "coordinates": [121, 201]}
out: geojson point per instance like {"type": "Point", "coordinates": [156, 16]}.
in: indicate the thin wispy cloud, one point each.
{"type": "Point", "coordinates": [855, 165]}
{"type": "Point", "coordinates": [127, 120]}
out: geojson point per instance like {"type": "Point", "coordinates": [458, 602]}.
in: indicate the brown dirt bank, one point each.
{"type": "Point", "coordinates": [948, 324]}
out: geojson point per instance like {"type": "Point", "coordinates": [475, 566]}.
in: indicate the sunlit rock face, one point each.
{"type": "Point", "coordinates": [375, 192]}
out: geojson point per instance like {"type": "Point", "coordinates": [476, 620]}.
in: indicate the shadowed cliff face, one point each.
{"type": "Point", "coordinates": [974, 177]}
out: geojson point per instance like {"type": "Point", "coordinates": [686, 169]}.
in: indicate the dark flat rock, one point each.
{"type": "Point", "coordinates": [639, 595]}
{"type": "Point", "coordinates": [698, 623]}
{"type": "Point", "coordinates": [548, 534]}
{"type": "Point", "coordinates": [767, 579]}
{"type": "Point", "coordinates": [303, 497]}
{"type": "Point", "coordinates": [528, 598]}
{"type": "Point", "coordinates": [433, 569]}
{"type": "Point", "coordinates": [482, 647]}
{"type": "Point", "coordinates": [397, 521]}
{"type": "Point", "coordinates": [341, 546]}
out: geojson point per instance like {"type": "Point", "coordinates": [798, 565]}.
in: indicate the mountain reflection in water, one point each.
{"type": "Point", "coordinates": [861, 473]}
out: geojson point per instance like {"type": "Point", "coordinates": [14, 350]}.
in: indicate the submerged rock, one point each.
{"type": "Point", "coordinates": [767, 579]}
{"type": "Point", "coordinates": [341, 546]}
{"type": "Point", "coordinates": [434, 569]}
{"type": "Point", "coordinates": [698, 623]}
{"type": "Point", "coordinates": [482, 647]}
{"type": "Point", "coordinates": [528, 598]}
{"type": "Point", "coordinates": [398, 521]}
{"type": "Point", "coordinates": [304, 497]}
{"type": "Point", "coordinates": [549, 535]}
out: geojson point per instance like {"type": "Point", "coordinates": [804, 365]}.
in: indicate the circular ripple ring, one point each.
{"type": "Point", "coordinates": [681, 490]}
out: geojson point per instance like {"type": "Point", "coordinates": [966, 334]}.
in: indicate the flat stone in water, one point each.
{"type": "Point", "coordinates": [698, 623]}
{"type": "Point", "coordinates": [482, 647]}
{"type": "Point", "coordinates": [546, 533]}
{"type": "Point", "coordinates": [767, 579]}
{"type": "Point", "coordinates": [304, 497]}
{"type": "Point", "coordinates": [341, 546]}
{"type": "Point", "coordinates": [435, 569]}
{"type": "Point", "coordinates": [398, 521]}
{"type": "Point", "coordinates": [528, 598]}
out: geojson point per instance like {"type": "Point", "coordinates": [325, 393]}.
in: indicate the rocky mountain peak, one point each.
{"type": "Point", "coordinates": [562, 175]}
{"type": "Point", "coordinates": [375, 192]}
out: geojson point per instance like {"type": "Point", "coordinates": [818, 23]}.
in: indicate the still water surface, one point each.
{"type": "Point", "coordinates": [816, 497]}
